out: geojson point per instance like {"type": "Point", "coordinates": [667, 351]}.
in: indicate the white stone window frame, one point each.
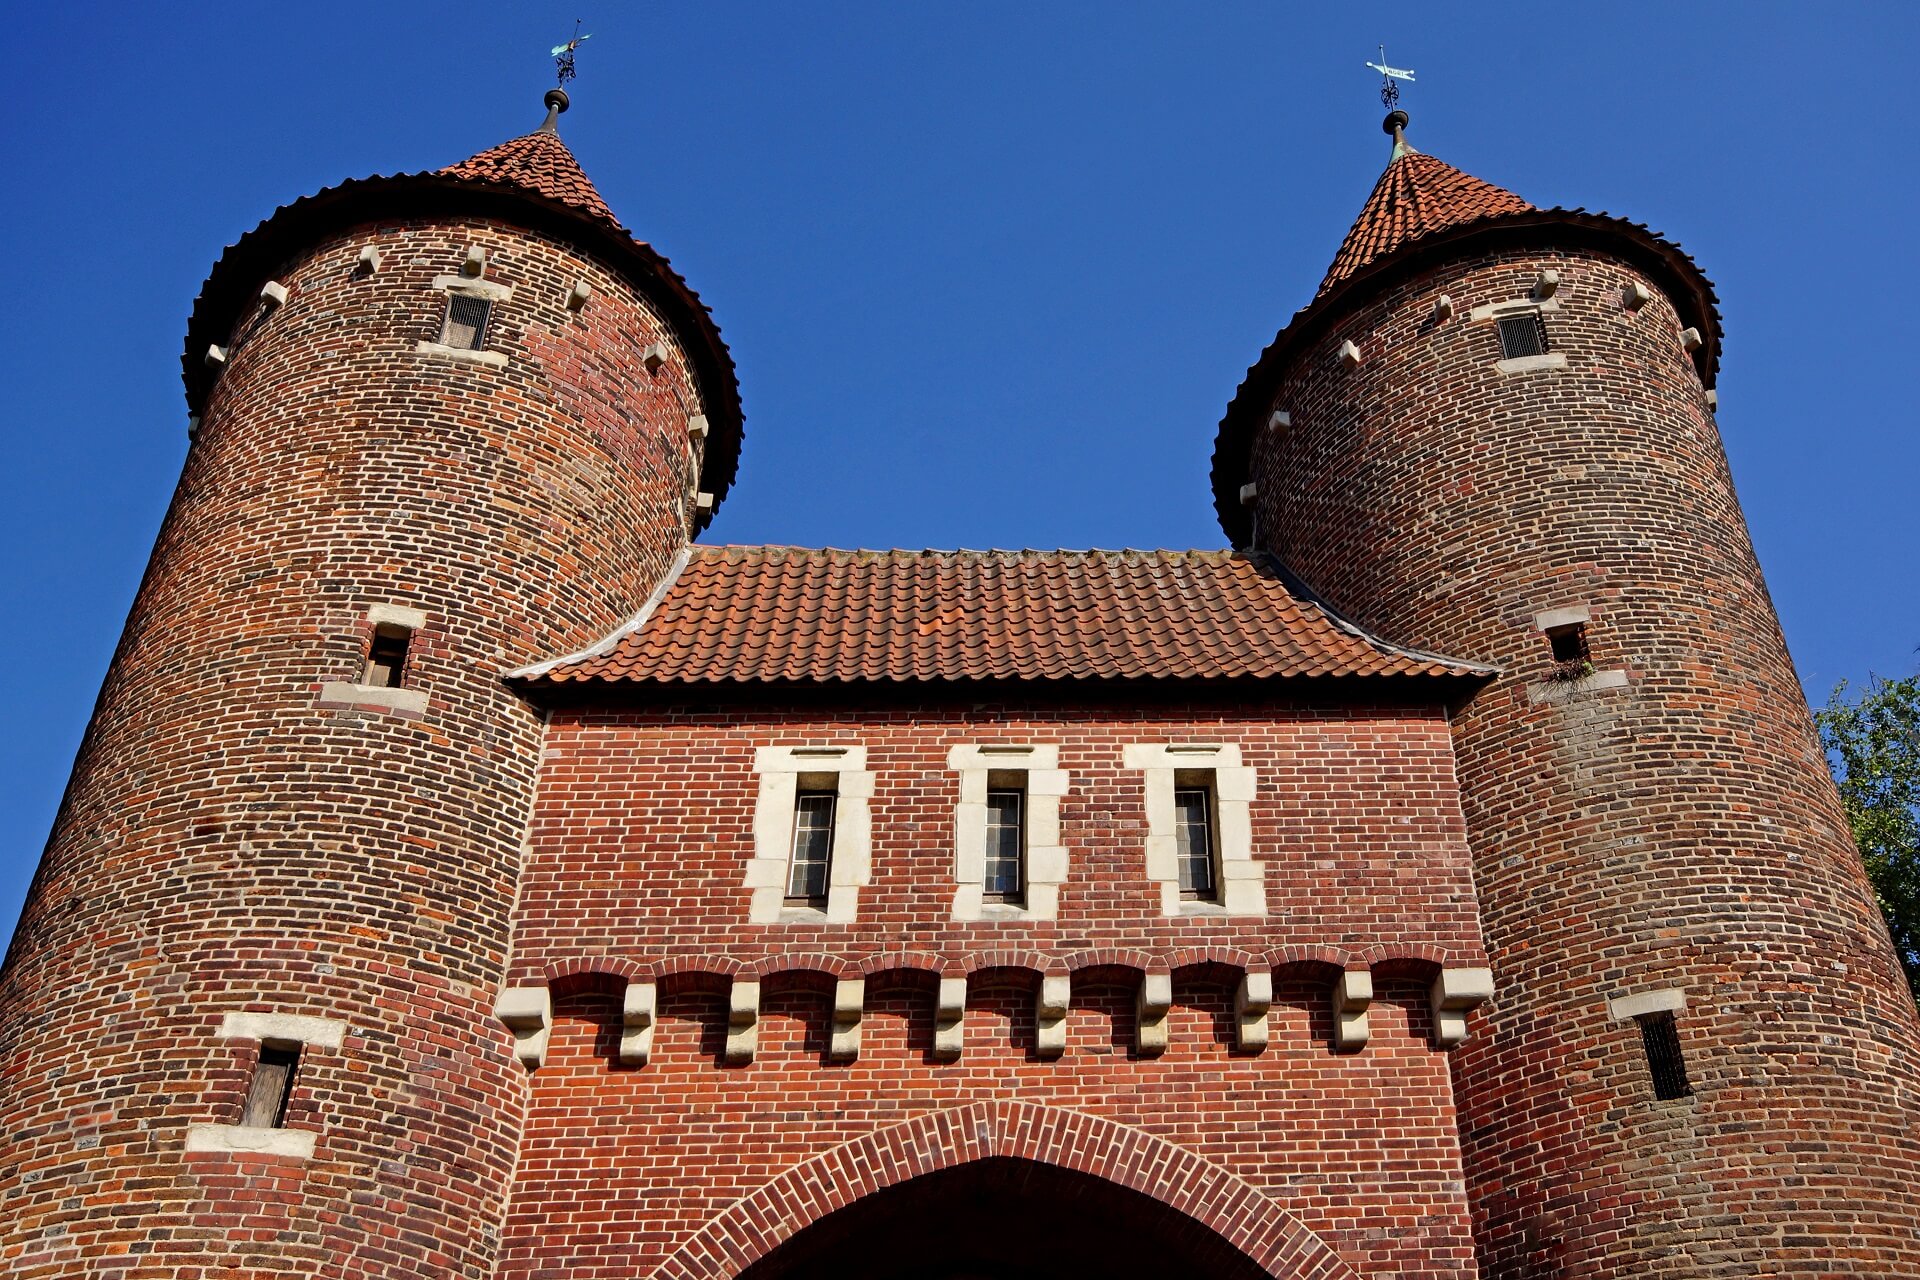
{"type": "Point", "coordinates": [1045, 859]}
{"type": "Point", "coordinates": [407, 700]}
{"type": "Point", "coordinates": [1494, 312]}
{"type": "Point", "coordinates": [473, 287]}
{"type": "Point", "coordinates": [850, 858]}
{"type": "Point", "coordinates": [300, 1031]}
{"type": "Point", "coordinates": [1242, 884]}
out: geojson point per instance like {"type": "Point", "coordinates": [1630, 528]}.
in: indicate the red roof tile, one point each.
{"type": "Point", "coordinates": [540, 163]}
{"type": "Point", "coordinates": [755, 614]}
{"type": "Point", "coordinates": [1416, 196]}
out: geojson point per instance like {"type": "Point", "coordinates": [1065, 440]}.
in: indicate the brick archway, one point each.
{"type": "Point", "coordinates": [1228, 1205]}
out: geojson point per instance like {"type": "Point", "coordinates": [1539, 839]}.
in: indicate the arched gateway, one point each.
{"type": "Point", "coordinates": [1005, 1189]}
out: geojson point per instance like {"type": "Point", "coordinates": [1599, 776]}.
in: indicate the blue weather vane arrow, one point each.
{"type": "Point", "coordinates": [563, 54]}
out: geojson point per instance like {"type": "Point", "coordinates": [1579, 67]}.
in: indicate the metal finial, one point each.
{"type": "Point", "coordinates": [1395, 126]}
{"type": "Point", "coordinates": [556, 101]}
{"type": "Point", "coordinates": [563, 54]}
{"type": "Point", "coordinates": [1390, 91]}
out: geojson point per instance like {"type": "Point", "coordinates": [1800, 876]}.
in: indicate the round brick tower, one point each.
{"type": "Point", "coordinates": [1492, 435]}
{"type": "Point", "coordinates": [447, 424]}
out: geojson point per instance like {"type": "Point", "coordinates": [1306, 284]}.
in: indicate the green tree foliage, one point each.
{"type": "Point", "coordinates": [1873, 746]}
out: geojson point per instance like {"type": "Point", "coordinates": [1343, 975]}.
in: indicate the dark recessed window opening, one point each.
{"type": "Point", "coordinates": [1006, 844]}
{"type": "Point", "coordinates": [466, 326]}
{"type": "Point", "coordinates": [387, 656]}
{"type": "Point", "coordinates": [271, 1086]}
{"type": "Point", "coordinates": [1571, 658]}
{"type": "Point", "coordinates": [1660, 1036]}
{"type": "Point", "coordinates": [1523, 335]}
{"type": "Point", "coordinates": [1193, 833]}
{"type": "Point", "coordinates": [812, 849]}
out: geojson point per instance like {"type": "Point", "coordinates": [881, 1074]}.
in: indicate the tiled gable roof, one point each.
{"type": "Point", "coordinates": [540, 163]}
{"type": "Point", "coordinates": [790, 614]}
{"type": "Point", "coordinates": [1416, 196]}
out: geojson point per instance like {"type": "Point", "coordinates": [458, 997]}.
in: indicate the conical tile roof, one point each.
{"type": "Point", "coordinates": [538, 162]}
{"type": "Point", "coordinates": [1417, 196]}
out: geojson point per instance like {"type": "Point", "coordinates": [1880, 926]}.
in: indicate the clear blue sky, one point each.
{"type": "Point", "coordinates": [991, 271]}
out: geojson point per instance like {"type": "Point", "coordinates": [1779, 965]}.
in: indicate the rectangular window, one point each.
{"type": "Point", "coordinates": [387, 656]}
{"type": "Point", "coordinates": [466, 325]}
{"type": "Point", "coordinates": [1523, 335]}
{"type": "Point", "coordinates": [1194, 842]}
{"type": "Point", "coordinates": [1571, 659]}
{"type": "Point", "coordinates": [271, 1086]}
{"type": "Point", "coordinates": [1006, 846]}
{"type": "Point", "coordinates": [1660, 1036]}
{"type": "Point", "coordinates": [812, 849]}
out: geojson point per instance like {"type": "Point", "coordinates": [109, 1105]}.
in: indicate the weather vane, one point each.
{"type": "Point", "coordinates": [563, 54]}
{"type": "Point", "coordinates": [1389, 91]}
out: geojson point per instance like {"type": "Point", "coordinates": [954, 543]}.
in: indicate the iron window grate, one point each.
{"type": "Point", "coordinates": [1660, 1036]}
{"type": "Point", "coordinates": [466, 326]}
{"type": "Point", "coordinates": [1523, 335]}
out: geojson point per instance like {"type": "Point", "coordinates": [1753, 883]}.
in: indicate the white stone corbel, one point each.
{"type": "Point", "coordinates": [1546, 284]}
{"type": "Point", "coordinates": [273, 293]}
{"type": "Point", "coordinates": [703, 501]}
{"type": "Point", "coordinates": [1279, 420]}
{"type": "Point", "coordinates": [654, 356]}
{"type": "Point", "coordinates": [1454, 992]}
{"type": "Point", "coordinates": [1251, 1000]}
{"type": "Point", "coordinates": [1713, 399]}
{"type": "Point", "coordinates": [577, 296]}
{"type": "Point", "coordinates": [475, 264]}
{"type": "Point", "coordinates": [369, 259]}
{"type": "Point", "coordinates": [1690, 338]}
{"type": "Point", "coordinates": [1050, 1015]}
{"type": "Point", "coordinates": [1248, 492]}
{"type": "Point", "coordinates": [528, 1013]}
{"type": "Point", "coordinates": [637, 1009]}
{"type": "Point", "coordinates": [1443, 308]}
{"type": "Point", "coordinates": [743, 1020]}
{"type": "Point", "coordinates": [949, 1013]}
{"type": "Point", "coordinates": [1150, 1006]}
{"type": "Point", "coordinates": [193, 427]}
{"type": "Point", "coordinates": [216, 356]}
{"type": "Point", "coordinates": [697, 426]}
{"type": "Point", "coordinates": [1636, 296]}
{"type": "Point", "coordinates": [849, 998]}
{"type": "Point", "coordinates": [1349, 354]}
{"type": "Point", "coordinates": [1352, 994]}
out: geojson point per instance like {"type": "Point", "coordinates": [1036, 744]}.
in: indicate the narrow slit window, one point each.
{"type": "Point", "coordinates": [1571, 657]}
{"type": "Point", "coordinates": [1660, 1036]}
{"type": "Point", "coordinates": [466, 324]}
{"type": "Point", "coordinates": [812, 849]}
{"type": "Point", "coordinates": [1006, 846]}
{"type": "Point", "coordinates": [1523, 335]}
{"type": "Point", "coordinates": [1194, 841]}
{"type": "Point", "coordinates": [387, 656]}
{"type": "Point", "coordinates": [271, 1086]}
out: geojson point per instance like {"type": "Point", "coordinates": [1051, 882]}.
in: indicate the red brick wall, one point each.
{"type": "Point", "coordinates": [1680, 832]}
{"type": "Point", "coordinates": [228, 844]}
{"type": "Point", "coordinates": [640, 841]}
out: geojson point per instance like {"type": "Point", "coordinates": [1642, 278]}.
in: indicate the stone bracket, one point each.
{"type": "Point", "coordinates": [637, 1009]}
{"type": "Point", "coordinates": [1251, 1001]}
{"type": "Point", "coordinates": [743, 1020]}
{"type": "Point", "coordinates": [1050, 1015]}
{"type": "Point", "coordinates": [849, 998]}
{"type": "Point", "coordinates": [949, 1012]}
{"type": "Point", "coordinates": [528, 1013]}
{"type": "Point", "coordinates": [1454, 992]}
{"type": "Point", "coordinates": [1352, 995]}
{"type": "Point", "coordinates": [1150, 1006]}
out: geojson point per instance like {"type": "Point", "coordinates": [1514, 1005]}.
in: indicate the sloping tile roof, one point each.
{"type": "Point", "coordinates": [540, 163]}
{"type": "Point", "coordinates": [759, 614]}
{"type": "Point", "coordinates": [1416, 196]}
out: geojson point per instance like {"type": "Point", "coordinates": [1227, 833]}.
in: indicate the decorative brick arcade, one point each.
{"type": "Point", "coordinates": [465, 874]}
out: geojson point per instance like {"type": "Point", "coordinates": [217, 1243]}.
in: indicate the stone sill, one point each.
{"type": "Point", "coordinates": [461, 354]}
{"type": "Point", "coordinates": [251, 1140]}
{"type": "Point", "coordinates": [408, 704]}
{"type": "Point", "coordinates": [1562, 690]}
{"type": "Point", "coordinates": [1533, 364]}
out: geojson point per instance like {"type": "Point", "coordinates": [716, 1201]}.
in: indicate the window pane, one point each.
{"type": "Point", "coordinates": [1523, 335]}
{"type": "Point", "coordinates": [812, 846]}
{"type": "Point", "coordinates": [1193, 837]}
{"type": "Point", "coordinates": [1003, 872]}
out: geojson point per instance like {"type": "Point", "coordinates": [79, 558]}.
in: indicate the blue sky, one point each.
{"type": "Point", "coordinates": [990, 271]}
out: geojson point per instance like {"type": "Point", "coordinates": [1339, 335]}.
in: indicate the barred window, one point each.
{"type": "Point", "coordinates": [812, 849]}
{"type": "Point", "coordinates": [1523, 335]}
{"type": "Point", "coordinates": [1660, 1037]}
{"type": "Point", "coordinates": [1006, 846]}
{"type": "Point", "coordinates": [466, 323]}
{"type": "Point", "coordinates": [1194, 841]}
